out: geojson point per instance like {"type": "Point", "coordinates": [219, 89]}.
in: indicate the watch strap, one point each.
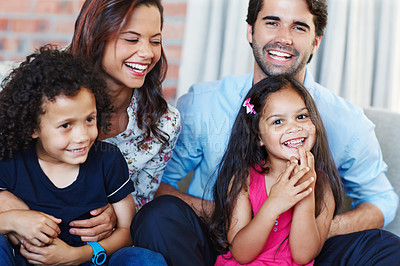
{"type": "Point", "coordinates": [99, 254]}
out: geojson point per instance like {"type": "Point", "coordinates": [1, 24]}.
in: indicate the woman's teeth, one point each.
{"type": "Point", "coordinates": [136, 67]}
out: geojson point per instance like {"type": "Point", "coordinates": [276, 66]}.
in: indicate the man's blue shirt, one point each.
{"type": "Point", "coordinates": [209, 110]}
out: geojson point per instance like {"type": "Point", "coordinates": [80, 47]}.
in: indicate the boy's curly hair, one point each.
{"type": "Point", "coordinates": [45, 74]}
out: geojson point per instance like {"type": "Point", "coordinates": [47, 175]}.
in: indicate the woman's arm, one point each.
{"type": "Point", "coordinates": [308, 233]}
{"type": "Point", "coordinates": [36, 227]}
{"type": "Point", "coordinates": [248, 236]}
{"type": "Point", "coordinates": [10, 202]}
{"type": "Point", "coordinates": [59, 253]}
{"type": "Point", "coordinates": [96, 228]}
{"type": "Point", "coordinates": [18, 222]}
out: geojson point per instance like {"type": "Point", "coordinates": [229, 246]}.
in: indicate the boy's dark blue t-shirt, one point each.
{"type": "Point", "coordinates": [102, 179]}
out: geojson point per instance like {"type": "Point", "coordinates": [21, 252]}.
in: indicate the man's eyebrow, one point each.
{"type": "Point", "coordinates": [271, 18]}
{"type": "Point", "coordinates": [302, 24]}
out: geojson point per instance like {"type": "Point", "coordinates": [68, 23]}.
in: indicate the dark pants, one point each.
{"type": "Point", "coordinates": [169, 226]}
{"type": "Point", "coordinates": [369, 247]}
{"type": "Point", "coordinates": [132, 256]}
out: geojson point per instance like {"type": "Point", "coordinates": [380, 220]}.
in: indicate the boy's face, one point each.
{"type": "Point", "coordinates": [286, 124]}
{"type": "Point", "coordinates": [68, 128]}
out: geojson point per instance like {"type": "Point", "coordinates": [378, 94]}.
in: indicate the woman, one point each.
{"type": "Point", "coordinates": [122, 38]}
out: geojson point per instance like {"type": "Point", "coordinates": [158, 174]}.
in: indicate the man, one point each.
{"type": "Point", "coordinates": [284, 34]}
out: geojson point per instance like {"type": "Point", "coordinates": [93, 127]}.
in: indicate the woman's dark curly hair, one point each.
{"type": "Point", "coordinates": [44, 75]}
{"type": "Point", "coordinates": [102, 20]}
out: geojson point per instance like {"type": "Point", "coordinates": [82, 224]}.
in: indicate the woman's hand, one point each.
{"type": "Point", "coordinates": [35, 227]}
{"type": "Point", "coordinates": [96, 228]}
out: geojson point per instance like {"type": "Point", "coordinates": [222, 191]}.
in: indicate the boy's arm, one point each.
{"type": "Point", "coordinates": [121, 237]}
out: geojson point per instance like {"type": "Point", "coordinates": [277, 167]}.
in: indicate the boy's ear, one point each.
{"type": "Point", "coordinates": [35, 134]}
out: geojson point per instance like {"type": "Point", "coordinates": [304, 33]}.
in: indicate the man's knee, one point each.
{"type": "Point", "coordinates": [160, 213]}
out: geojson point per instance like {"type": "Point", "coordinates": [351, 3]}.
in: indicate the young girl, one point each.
{"type": "Point", "coordinates": [278, 188]}
{"type": "Point", "coordinates": [50, 110]}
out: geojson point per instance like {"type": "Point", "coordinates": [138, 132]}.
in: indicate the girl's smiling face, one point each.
{"type": "Point", "coordinates": [286, 124]}
{"type": "Point", "coordinates": [133, 54]}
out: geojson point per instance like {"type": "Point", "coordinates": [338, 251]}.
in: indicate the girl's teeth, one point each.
{"type": "Point", "coordinates": [294, 143]}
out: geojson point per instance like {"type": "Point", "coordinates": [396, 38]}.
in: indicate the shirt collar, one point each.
{"type": "Point", "coordinates": [309, 81]}
{"type": "Point", "coordinates": [248, 85]}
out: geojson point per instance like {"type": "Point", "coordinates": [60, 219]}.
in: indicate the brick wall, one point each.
{"type": "Point", "coordinates": [27, 24]}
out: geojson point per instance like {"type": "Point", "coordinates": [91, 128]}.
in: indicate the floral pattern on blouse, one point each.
{"type": "Point", "coordinates": [146, 162]}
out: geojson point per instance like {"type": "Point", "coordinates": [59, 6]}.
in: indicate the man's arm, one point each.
{"type": "Point", "coordinates": [187, 156]}
{"type": "Point", "coordinates": [363, 173]}
{"type": "Point", "coordinates": [200, 206]}
{"type": "Point", "coordinates": [364, 216]}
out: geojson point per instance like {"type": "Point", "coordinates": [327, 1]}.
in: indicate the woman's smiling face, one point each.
{"type": "Point", "coordinates": [133, 54]}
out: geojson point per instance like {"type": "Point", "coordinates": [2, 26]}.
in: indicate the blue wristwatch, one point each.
{"type": "Point", "coordinates": [99, 254]}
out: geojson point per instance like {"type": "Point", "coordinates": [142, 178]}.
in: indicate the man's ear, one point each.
{"type": "Point", "coordinates": [317, 43]}
{"type": "Point", "coordinates": [250, 34]}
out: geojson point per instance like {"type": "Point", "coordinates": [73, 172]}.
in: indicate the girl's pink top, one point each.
{"type": "Point", "coordinates": [276, 251]}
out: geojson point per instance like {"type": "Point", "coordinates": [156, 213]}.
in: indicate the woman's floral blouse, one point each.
{"type": "Point", "coordinates": [147, 162]}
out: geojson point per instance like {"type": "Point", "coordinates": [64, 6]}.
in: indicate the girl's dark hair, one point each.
{"type": "Point", "coordinates": [318, 8]}
{"type": "Point", "coordinates": [244, 151]}
{"type": "Point", "coordinates": [102, 20]}
{"type": "Point", "coordinates": [44, 75]}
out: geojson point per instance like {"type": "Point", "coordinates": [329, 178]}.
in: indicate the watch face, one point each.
{"type": "Point", "coordinates": [101, 258]}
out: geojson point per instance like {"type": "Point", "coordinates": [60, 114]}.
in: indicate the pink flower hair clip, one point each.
{"type": "Point", "coordinates": [249, 106]}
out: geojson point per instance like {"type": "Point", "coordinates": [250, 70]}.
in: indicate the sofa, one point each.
{"type": "Point", "coordinates": [387, 131]}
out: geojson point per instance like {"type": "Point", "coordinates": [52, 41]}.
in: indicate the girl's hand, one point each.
{"type": "Point", "coordinates": [97, 228]}
{"type": "Point", "coordinates": [306, 160]}
{"type": "Point", "coordinates": [58, 253]}
{"type": "Point", "coordinates": [287, 191]}
{"type": "Point", "coordinates": [35, 227]}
